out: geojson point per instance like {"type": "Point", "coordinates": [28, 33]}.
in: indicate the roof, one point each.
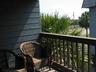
{"type": "Point", "coordinates": [89, 3]}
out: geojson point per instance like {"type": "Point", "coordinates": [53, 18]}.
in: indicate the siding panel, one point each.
{"type": "Point", "coordinates": [89, 3]}
{"type": "Point", "coordinates": [16, 29]}
{"type": "Point", "coordinates": [23, 33]}
{"type": "Point", "coordinates": [20, 39]}
{"type": "Point", "coordinates": [19, 22]}
{"type": "Point", "coordinates": [20, 25]}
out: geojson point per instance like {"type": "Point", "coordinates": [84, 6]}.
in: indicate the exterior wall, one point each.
{"type": "Point", "coordinates": [93, 22]}
{"type": "Point", "coordinates": [93, 25]}
{"type": "Point", "coordinates": [89, 3]}
{"type": "Point", "coordinates": [92, 31]}
{"type": "Point", "coordinates": [19, 21]}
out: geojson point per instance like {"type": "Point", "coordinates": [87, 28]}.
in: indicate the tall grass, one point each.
{"type": "Point", "coordinates": [56, 24]}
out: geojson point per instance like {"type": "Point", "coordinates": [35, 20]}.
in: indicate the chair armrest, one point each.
{"type": "Point", "coordinates": [35, 42]}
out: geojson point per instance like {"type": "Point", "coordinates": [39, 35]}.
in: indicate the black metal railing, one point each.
{"type": "Point", "coordinates": [70, 53]}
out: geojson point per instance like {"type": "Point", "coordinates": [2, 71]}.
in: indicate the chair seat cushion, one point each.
{"type": "Point", "coordinates": [39, 62]}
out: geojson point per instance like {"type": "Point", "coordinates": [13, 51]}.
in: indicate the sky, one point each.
{"type": "Point", "coordinates": [70, 8]}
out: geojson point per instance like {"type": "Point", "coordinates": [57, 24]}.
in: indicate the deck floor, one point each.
{"type": "Point", "coordinates": [46, 69]}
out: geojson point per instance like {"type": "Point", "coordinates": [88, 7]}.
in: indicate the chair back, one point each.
{"type": "Point", "coordinates": [27, 48]}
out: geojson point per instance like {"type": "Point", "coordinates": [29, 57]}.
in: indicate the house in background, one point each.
{"type": "Point", "coordinates": [91, 4]}
{"type": "Point", "coordinates": [19, 22]}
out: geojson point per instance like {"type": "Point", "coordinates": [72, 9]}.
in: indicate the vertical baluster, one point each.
{"type": "Point", "coordinates": [64, 52]}
{"type": "Point", "coordinates": [60, 52]}
{"type": "Point", "coordinates": [89, 58]}
{"type": "Point", "coordinates": [83, 54]}
{"type": "Point", "coordinates": [56, 50]}
{"type": "Point", "coordinates": [53, 47]}
{"type": "Point", "coordinates": [49, 41]}
{"type": "Point", "coordinates": [48, 52]}
{"type": "Point", "coordinates": [52, 56]}
{"type": "Point", "coordinates": [77, 58]}
{"type": "Point", "coordinates": [59, 49]}
{"type": "Point", "coordinates": [72, 54]}
{"type": "Point", "coordinates": [68, 55]}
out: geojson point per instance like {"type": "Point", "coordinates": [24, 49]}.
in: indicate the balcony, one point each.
{"type": "Point", "coordinates": [68, 53]}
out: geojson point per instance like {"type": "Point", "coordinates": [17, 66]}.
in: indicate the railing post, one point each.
{"type": "Point", "coordinates": [93, 57]}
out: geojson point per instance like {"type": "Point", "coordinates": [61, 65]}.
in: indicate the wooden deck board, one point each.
{"type": "Point", "coordinates": [45, 69]}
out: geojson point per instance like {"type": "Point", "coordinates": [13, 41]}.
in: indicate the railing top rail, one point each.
{"type": "Point", "coordinates": [86, 40]}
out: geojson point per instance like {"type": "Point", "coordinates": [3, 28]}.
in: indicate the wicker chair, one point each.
{"type": "Point", "coordinates": [30, 51]}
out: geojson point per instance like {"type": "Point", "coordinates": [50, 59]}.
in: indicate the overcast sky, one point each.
{"type": "Point", "coordinates": [63, 7]}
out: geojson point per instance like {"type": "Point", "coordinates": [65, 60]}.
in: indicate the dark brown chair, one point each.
{"type": "Point", "coordinates": [31, 53]}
